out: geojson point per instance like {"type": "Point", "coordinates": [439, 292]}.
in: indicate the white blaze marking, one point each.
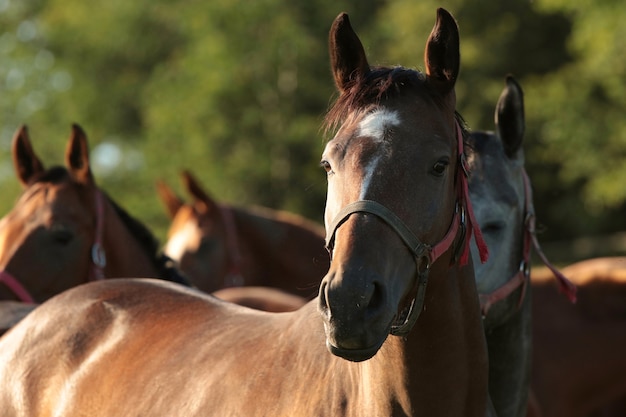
{"type": "Point", "coordinates": [374, 126]}
{"type": "Point", "coordinates": [177, 245]}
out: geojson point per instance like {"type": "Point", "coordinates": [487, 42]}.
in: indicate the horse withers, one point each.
{"type": "Point", "coordinates": [399, 301]}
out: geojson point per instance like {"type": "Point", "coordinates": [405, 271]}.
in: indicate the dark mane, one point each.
{"type": "Point", "coordinates": [382, 83]}
{"type": "Point", "coordinates": [54, 175]}
{"type": "Point", "coordinates": [149, 243]}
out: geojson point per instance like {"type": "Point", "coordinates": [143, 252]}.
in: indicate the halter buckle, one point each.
{"type": "Point", "coordinates": [98, 256]}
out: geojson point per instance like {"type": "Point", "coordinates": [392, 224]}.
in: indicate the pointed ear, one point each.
{"type": "Point", "coordinates": [77, 155]}
{"type": "Point", "coordinates": [169, 198]}
{"type": "Point", "coordinates": [26, 163]}
{"type": "Point", "coordinates": [347, 56]}
{"type": "Point", "coordinates": [442, 56]}
{"type": "Point", "coordinates": [509, 117]}
{"type": "Point", "coordinates": [202, 200]}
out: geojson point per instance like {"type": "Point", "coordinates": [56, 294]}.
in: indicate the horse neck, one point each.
{"type": "Point", "coordinates": [275, 250]}
{"type": "Point", "coordinates": [125, 257]}
{"type": "Point", "coordinates": [445, 353]}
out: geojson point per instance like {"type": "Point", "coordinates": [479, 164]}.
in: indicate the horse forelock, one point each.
{"type": "Point", "coordinates": [53, 175]}
{"type": "Point", "coordinates": [378, 84]}
{"type": "Point", "coordinates": [383, 83]}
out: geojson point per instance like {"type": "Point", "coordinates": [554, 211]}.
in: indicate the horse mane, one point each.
{"type": "Point", "coordinates": [150, 244]}
{"type": "Point", "coordinates": [383, 83]}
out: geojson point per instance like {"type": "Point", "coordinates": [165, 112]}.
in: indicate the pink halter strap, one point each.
{"type": "Point", "coordinates": [98, 255]}
{"type": "Point", "coordinates": [15, 286]}
{"type": "Point", "coordinates": [522, 276]}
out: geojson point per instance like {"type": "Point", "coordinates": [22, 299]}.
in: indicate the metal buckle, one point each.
{"type": "Point", "coordinates": [98, 256]}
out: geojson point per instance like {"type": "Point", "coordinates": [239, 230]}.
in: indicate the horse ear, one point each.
{"type": "Point", "coordinates": [77, 155]}
{"type": "Point", "coordinates": [347, 56]}
{"type": "Point", "coordinates": [442, 56]}
{"type": "Point", "coordinates": [202, 200]}
{"type": "Point", "coordinates": [25, 161]}
{"type": "Point", "coordinates": [509, 117]}
{"type": "Point", "coordinates": [169, 198]}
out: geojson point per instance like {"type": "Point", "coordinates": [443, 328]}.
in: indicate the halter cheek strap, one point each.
{"type": "Point", "coordinates": [425, 255]}
{"type": "Point", "coordinates": [234, 277]}
{"type": "Point", "coordinates": [522, 276]}
{"type": "Point", "coordinates": [98, 255]}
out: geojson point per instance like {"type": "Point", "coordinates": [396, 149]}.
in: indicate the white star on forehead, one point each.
{"type": "Point", "coordinates": [376, 123]}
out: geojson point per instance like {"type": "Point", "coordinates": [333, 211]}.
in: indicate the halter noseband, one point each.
{"type": "Point", "coordinates": [98, 257]}
{"type": "Point", "coordinates": [424, 254]}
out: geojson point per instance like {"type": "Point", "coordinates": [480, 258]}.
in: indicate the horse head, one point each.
{"type": "Point", "coordinates": [45, 240]}
{"type": "Point", "coordinates": [395, 203]}
{"type": "Point", "coordinates": [502, 200]}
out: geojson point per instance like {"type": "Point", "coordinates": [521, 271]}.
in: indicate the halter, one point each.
{"type": "Point", "coordinates": [98, 258]}
{"type": "Point", "coordinates": [234, 278]}
{"type": "Point", "coordinates": [522, 276]}
{"type": "Point", "coordinates": [424, 254]}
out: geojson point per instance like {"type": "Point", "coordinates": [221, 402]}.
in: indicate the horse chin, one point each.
{"type": "Point", "coordinates": [355, 355]}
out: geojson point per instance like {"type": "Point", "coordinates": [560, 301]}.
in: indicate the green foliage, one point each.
{"type": "Point", "coordinates": [236, 91]}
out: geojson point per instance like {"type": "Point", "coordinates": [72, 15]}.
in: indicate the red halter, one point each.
{"type": "Point", "coordinates": [98, 257]}
{"type": "Point", "coordinates": [522, 277]}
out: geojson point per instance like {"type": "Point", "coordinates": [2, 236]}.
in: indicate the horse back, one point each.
{"type": "Point", "coordinates": [148, 347]}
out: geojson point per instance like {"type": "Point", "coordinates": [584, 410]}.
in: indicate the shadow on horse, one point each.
{"type": "Point", "coordinates": [218, 245]}
{"type": "Point", "coordinates": [398, 308]}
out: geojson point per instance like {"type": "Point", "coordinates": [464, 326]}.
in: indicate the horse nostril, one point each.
{"type": "Point", "coordinates": [323, 304]}
{"type": "Point", "coordinates": [377, 297]}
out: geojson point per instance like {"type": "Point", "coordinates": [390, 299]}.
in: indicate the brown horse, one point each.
{"type": "Point", "coordinates": [146, 347]}
{"type": "Point", "coordinates": [579, 365]}
{"type": "Point", "coordinates": [64, 231]}
{"type": "Point", "coordinates": [261, 298]}
{"type": "Point", "coordinates": [218, 245]}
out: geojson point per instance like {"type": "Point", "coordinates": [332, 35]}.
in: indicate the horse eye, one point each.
{"type": "Point", "coordinates": [440, 167]}
{"type": "Point", "coordinates": [326, 165]}
{"type": "Point", "coordinates": [62, 235]}
{"type": "Point", "coordinates": [492, 228]}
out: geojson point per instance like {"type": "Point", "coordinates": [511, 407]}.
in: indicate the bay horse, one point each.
{"type": "Point", "coordinates": [397, 348]}
{"type": "Point", "coordinates": [218, 245]}
{"type": "Point", "coordinates": [64, 231]}
{"type": "Point", "coordinates": [579, 366]}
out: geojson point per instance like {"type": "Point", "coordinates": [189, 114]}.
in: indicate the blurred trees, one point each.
{"type": "Point", "coordinates": [235, 91]}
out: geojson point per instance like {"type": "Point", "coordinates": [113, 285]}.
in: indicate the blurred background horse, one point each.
{"type": "Point", "coordinates": [218, 245]}
{"type": "Point", "coordinates": [579, 366]}
{"type": "Point", "coordinates": [64, 231]}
